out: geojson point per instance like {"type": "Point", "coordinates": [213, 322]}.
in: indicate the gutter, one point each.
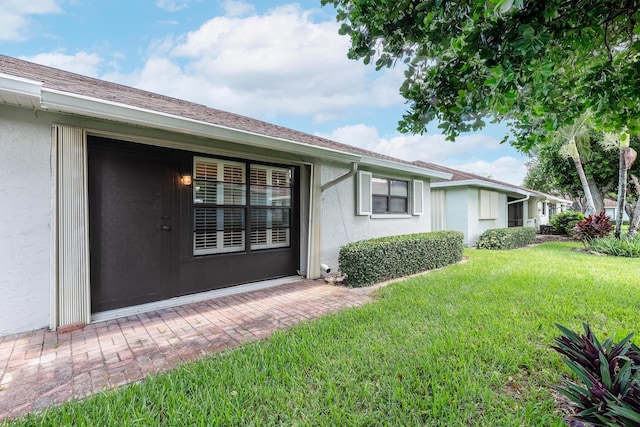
{"type": "Point", "coordinates": [31, 94]}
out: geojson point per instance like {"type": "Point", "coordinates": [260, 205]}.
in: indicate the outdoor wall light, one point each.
{"type": "Point", "coordinates": [186, 179]}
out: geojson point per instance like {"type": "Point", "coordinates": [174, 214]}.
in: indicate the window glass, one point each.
{"type": "Point", "coordinates": [399, 188]}
{"type": "Point", "coordinates": [380, 204]}
{"type": "Point", "coordinates": [380, 185]}
{"type": "Point", "coordinates": [222, 215]}
{"type": "Point", "coordinates": [390, 195]}
{"type": "Point", "coordinates": [271, 189]}
{"type": "Point", "coordinates": [397, 205]}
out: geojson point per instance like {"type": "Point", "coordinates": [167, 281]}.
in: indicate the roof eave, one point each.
{"type": "Point", "coordinates": [54, 100]}
{"type": "Point", "coordinates": [405, 167]}
{"type": "Point", "coordinates": [19, 91]}
{"type": "Point", "coordinates": [483, 184]}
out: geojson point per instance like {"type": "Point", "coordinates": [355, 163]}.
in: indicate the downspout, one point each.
{"type": "Point", "coordinates": [315, 207]}
{"type": "Point", "coordinates": [338, 180]}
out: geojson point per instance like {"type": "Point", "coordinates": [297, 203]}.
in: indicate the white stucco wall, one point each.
{"type": "Point", "coordinates": [25, 218]}
{"type": "Point", "coordinates": [341, 225]}
{"type": "Point", "coordinates": [462, 211]}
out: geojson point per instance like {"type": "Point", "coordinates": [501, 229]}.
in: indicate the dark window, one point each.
{"type": "Point", "coordinates": [390, 195]}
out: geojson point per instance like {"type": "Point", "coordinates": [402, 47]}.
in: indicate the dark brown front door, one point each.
{"type": "Point", "coordinates": [130, 211]}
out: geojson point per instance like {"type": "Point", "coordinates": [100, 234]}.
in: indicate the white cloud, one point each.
{"type": "Point", "coordinates": [173, 5]}
{"type": "Point", "coordinates": [477, 153]}
{"type": "Point", "coordinates": [83, 63]}
{"type": "Point", "coordinates": [279, 63]}
{"type": "Point", "coordinates": [505, 168]}
{"type": "Point", "coordinates": [235, 8]}
{"type": "Point", "coordinates": [15, 20]}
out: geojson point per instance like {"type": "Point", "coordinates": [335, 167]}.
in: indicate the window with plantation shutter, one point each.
{"type": "Point", "coordinates": [227, 211]}
{"type": "Point", "coordinates": [271, 189]}
{"type": "Point", "coordinates": [219, 198]}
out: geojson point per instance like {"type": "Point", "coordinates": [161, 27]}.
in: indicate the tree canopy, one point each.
{"type": "Point", "coordinates": [534, 64]}
{"type": "Point", "coordinates": [552, 172]}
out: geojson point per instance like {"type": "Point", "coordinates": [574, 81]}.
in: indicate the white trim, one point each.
{"type": "Point", "coordinates": [53, 287]}
{"type": "Point", "coordinates": [22, 92]}
{"type": "Point", "coordinates": [194, 148]}
{"type": "Point", "coordinates": [389, 216]}
{"type": "Point", "coordinates": [190, 299]}
{"type": "Point", "coordinates": [65, 102]}
{"type": "Point", "coordinates": [481, 183]}
{"type": "Point", "coordinates": [374, 162]}
{"type": "Point", "coordinates": [315, 216]}
{"type": "Point", "coordinates": [72, 235]}
{"type": "Point", "coordinates": [418, 197]}
{"type": "Point", "coordinates": [365, 191]}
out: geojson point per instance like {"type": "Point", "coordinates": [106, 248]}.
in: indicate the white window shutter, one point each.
{"type": "Point", "coordinates": [364, 193]}
{"type": "Point", "coordinates": [418, 199]}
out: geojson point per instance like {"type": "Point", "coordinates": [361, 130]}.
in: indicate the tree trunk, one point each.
{"type": "Point", "coordinates": [583, 178]}
{"type": "Point", "coordinates": [622, 193]}
{"type": "Point", "coordinates": [597, 195]}
{"type": "Point", "coordinates": [634, 220]}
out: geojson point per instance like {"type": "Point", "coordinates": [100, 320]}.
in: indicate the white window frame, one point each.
{"type": "Point", "coordinates": [270, 244]}
{"type": "Point", "coordinates": [220, 232]}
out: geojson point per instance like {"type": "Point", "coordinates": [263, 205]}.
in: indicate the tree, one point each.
{"type": "Point", "coordinates": [535, 64]}
{"type": "Point", "coordinates": [551, 172]}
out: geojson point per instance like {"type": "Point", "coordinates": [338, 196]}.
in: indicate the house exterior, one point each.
{"type": "Point", "coordinates": [473, 204]}
{"type": "Point", "coordinates": [611, 210]}
{"type": "Point", "coordinates": [117, 201]}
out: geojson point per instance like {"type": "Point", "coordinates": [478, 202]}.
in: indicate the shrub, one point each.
{"type": "Point", "coordinates": [563, 222]}
{"type": "Point", "coordinates": [624, 247]}
{"type": "Point", "coordinates": [593, 227]}
{"type": "Point", "coordinates": [375, 260]}
{"type": "Point", "coordinates": [506, 238]}
{"type": "Point", "coordinates": [610, 374]}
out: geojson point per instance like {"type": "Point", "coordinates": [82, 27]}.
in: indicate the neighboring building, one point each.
{"type": "Point", "coordinates": [116, 200]}
{"type": "Point", "coordinates": [473, 204]}
{"type": "Point", "coordinates": [611, 210]}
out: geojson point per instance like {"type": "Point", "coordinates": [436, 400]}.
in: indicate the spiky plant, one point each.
{"type": "Point", "coordinates": [610, 376]}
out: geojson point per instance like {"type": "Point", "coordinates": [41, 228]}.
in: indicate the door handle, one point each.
{"type": "Point", "coordinates": [166, 228]}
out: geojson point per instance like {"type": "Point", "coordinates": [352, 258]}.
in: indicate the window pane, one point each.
{"type": "Point", "coordinates": [233, 194]}
{"type": "Point", "coordinates": [280, 218]}
{"type": "Point", "coordinates": [399, 188]}
{"type": "Point", "coordinates": [281, 177]}
{"type": "Point", "coordinates": [398, 205]}
{"type": "Point", "coordinates": [379, 204]}
{"type": "Point", "coordinates": [380, 186]}
{"type": "Point", "coordinates": [281, 196]}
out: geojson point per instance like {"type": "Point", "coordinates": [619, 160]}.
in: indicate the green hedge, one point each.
{"type": "Point", "coordinates": [506, 238]}
{"type": "Point", "coordinates": [375, 260]}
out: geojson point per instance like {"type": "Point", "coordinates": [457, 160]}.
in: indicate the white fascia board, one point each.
{"type": "Point", "coordinates": [19, 91]}
{"type": "Point", "coordinates": [54, 100]}
{"type": "Point", "coordinates": [483, 184]}
{"type": "Point", "coordinates": [373, 162]}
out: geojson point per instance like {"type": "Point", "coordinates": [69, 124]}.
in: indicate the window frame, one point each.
{"type": "Point", "coordinates": [388, 196]}
{"type": "Point", "coordinates": [264, 197]}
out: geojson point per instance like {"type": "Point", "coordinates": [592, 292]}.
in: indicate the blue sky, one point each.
{"type": "Point", "coordinates": [278, 61]}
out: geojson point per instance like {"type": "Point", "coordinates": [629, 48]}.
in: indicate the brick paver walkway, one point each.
{"type": "Point", "coordinates": [43, 368]}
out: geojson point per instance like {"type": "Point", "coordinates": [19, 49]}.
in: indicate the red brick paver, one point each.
{"type": "Point", "coordinates": [43, 368]}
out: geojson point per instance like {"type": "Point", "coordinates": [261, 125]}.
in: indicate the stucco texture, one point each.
{"type": "Point", "coordinates": [25, 218]}
{"type": "Point", "coordinates": [341, 225]}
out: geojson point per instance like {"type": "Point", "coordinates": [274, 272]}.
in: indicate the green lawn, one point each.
{"type": "Point", "coordinates": [465, 345]}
